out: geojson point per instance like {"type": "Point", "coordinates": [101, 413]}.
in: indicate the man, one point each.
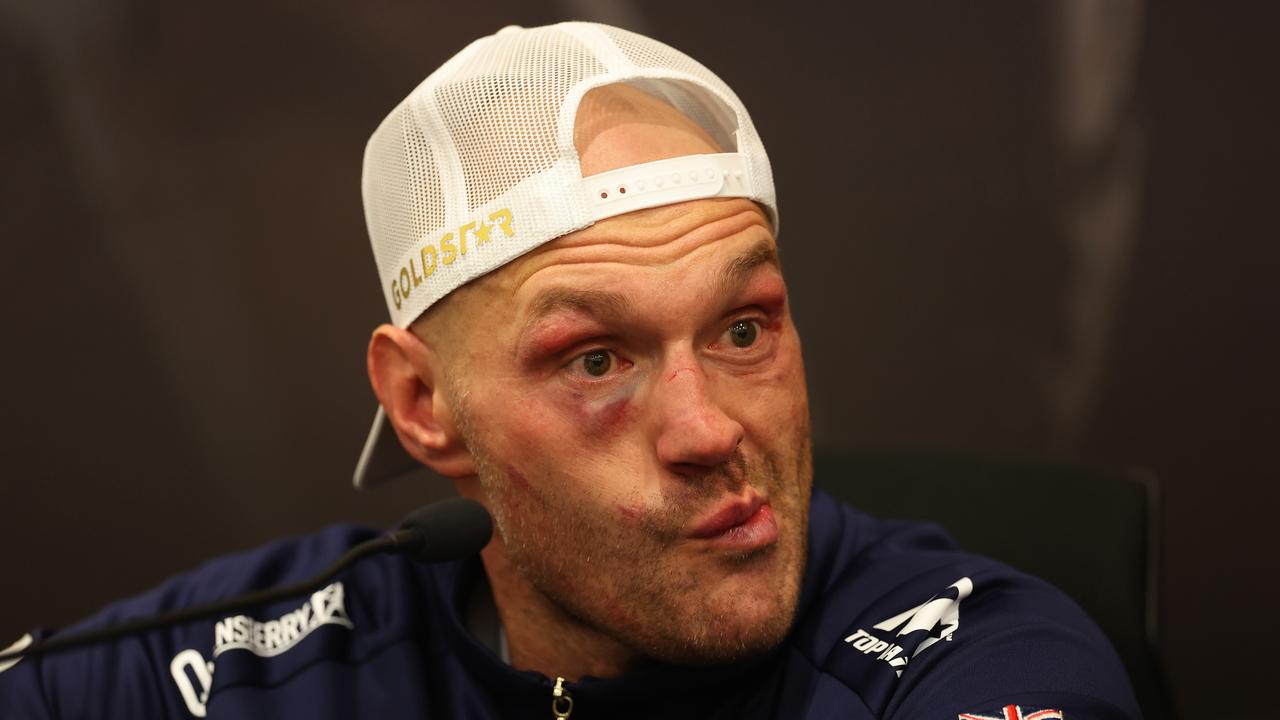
{"type": "Point", "coordinates": [575, 230]}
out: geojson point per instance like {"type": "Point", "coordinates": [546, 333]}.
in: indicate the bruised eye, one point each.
{"type": "Point", "coordinates": [744, 333]}
{"type": "Point", "coordinates": [597, 362]}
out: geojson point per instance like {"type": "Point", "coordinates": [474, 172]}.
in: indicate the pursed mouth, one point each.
{"type": "Point", "coordinates": [733, 514]}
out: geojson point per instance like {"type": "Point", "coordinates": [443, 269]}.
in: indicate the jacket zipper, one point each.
{"type": "Point", "coordinates": [561, 700]}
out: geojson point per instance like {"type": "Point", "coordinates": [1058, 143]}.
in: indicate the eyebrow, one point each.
{"type": "Point", "coordinates": [739, 270]}
{"type": "Point", "coordinates": [607, 304]}
{"type": "Point", "coordinates": [597, 303]}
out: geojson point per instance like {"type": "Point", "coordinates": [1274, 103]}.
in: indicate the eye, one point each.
{"type": "Point", "coordinates": [597, 362]}
{"type": "Point", "coordinates": [743, 333]}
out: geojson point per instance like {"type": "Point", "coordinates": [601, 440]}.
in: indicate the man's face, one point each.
{"type": "Point", "coordinates": [634, 398]}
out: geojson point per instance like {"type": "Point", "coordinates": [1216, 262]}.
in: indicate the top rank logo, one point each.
{"type": "Point", "coordinates": [917, 629]}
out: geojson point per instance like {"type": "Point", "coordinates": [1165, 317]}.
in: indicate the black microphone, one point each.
{"type": "Point", "coordinates": [447, 530]}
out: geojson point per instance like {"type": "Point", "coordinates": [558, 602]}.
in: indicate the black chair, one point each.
{"type": "Point", "coordinates": [1094, 534]}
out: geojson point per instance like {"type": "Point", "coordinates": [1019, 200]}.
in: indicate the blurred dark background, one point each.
{"type": "Point", "coordinates": [1023, 229]}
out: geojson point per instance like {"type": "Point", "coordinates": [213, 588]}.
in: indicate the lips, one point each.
{"type": "Point", "coordinates": [726, 516]}
{"type": "Point", "coordinates": [741, 524]}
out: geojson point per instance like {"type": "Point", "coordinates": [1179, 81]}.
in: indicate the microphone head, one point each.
{"type": "Point", "coordinates": [447, 530]}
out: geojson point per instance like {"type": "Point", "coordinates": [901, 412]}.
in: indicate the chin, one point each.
{"type": "Point", "coordinates": [739, 621]}
{"type": "Point", "coordinates": [739, 635]}
{"type": "Point", "coordinates": [747, 613]}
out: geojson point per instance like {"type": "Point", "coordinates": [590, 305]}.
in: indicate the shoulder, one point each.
{"type": "Point", "coordinates": [170, 672]}
{"type": "Point", "coordinates": [916, 628]}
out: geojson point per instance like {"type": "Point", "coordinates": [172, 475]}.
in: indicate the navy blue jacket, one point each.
{"type": "Point", "coordinates": [893, 622]}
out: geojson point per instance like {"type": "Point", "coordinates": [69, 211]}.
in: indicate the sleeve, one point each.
{"type": "Point", "coordinates": [919, 630]}
{"type": "Point", "coordinates": [1024, 651]}
{"type": "Point", "coordinates": [1031, 672]}
{"type": "Point", "coordinates": [113, 680]}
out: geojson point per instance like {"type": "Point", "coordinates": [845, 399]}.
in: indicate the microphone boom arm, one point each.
{"type": "Point", "coordinates": [398, 541]}
{"type": "Point", "coordinates": [447, 530]}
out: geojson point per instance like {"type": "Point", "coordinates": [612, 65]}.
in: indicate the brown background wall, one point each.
{"type": "Point", "coordinates": [1038, 229]}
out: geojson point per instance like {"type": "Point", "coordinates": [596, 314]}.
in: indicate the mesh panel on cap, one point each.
{"type": "Point", "coordinates": [502, 109]}
{"type": "Point", "coordinates": [646, 52]}
{"type": "Point", "coordinates": [403, 199]}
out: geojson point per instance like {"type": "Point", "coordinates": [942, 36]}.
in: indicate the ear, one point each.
{"type": "Point", "coordinates": [407, 376]}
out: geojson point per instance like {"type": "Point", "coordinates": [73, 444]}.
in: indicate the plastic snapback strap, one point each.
{"type": "Point", "coordinates": [664, 182]}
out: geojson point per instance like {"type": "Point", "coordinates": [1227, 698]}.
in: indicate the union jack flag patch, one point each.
{"type": "Point", "coordinates": [1014, 712]}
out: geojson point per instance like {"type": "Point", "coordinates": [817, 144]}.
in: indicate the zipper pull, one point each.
{"type": "Point", "coordinates": [561, 700]}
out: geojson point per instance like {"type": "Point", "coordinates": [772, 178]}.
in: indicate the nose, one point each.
{"type": "Point", "coordinates": [694, 433]}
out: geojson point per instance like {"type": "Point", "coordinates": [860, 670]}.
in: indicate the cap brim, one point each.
{"type": "Point", "coordinates": [383, 457]}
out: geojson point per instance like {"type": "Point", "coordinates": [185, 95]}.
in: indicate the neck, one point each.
{"type": "Point", "coordinates": [541, 636]}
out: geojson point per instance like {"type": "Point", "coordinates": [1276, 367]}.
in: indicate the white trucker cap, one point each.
{"type": "Point", "coordinates": [477, 166]}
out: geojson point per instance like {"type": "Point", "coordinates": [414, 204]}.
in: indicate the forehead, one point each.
{"type": "Point", "coordinates": [707, 237]}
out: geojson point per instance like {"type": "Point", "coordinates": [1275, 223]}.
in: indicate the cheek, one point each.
{"type": "Point", "coordinates": [599, 418]}
{"type": "Point", "coordinates": [610, 417]}
{"type": "Point", "coordinates": [520, 495]}
{"type": "Point", "coordinates": [630, 514]}
{"type": "Point", "coordinates": [790, 366]}
{"type": "Point", "coordinates": [519, 483]}
{"type": "Point", "coordinates": [779, 396]}
{"type": "Point", "coordinates": [546, 446]}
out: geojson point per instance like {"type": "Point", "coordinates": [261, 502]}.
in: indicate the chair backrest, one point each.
{"type": "Point", "coordinates": [1092, 533]}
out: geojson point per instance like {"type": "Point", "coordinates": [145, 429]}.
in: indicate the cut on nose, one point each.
{"type": "Point", "coordinates": [695, 431]}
